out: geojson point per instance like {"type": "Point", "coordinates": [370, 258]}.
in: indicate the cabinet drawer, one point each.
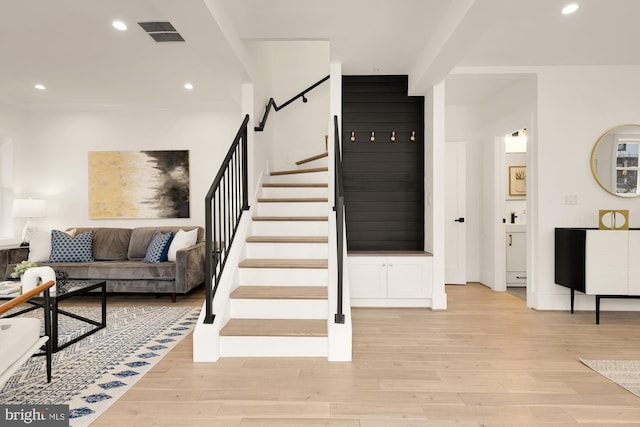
{"type": "Point", "coordinates": [517, 277]}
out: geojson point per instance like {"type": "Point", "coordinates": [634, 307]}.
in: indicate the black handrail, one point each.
{"type": "Point", "coordinates": [272, 103]}
{"type": "Point", "coordinates": [225, 202]}
{"type": "Point", "coordinates": [339, 209]}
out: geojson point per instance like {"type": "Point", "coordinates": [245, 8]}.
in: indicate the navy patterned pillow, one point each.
{"type": "Point", "coordinates": [159, 247]}
{"type": "Point", "coordinates": [66, 248]}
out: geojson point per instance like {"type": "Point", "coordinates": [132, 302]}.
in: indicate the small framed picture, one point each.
{"type": "Point", "coordinates": [517, 180]}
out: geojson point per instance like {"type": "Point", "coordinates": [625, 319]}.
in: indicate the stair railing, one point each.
{"type": "Point", "coordinates": [272, 103]}
{"type": "Point", "coordinates": [225, 202]}
{"type": "Point", "coordinates": [339, 209]}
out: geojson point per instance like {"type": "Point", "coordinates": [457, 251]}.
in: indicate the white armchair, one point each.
{"type": "Point", "coordinates": [20, 337]}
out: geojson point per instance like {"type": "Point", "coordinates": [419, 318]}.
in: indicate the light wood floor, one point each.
{"type": "Point", "coordinates": [486, 361]}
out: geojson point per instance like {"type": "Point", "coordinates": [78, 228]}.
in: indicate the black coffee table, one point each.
{"type": "Point", "coordinates": [63, 292]}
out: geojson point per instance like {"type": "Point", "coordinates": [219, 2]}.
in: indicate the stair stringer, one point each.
{"type": "Point", "coordinates": [206, 337]}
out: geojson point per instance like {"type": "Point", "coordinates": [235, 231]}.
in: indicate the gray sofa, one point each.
{"type": "Point", "coordinates": [119, 260]}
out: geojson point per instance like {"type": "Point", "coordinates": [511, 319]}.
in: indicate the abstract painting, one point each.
{"type": "Point", "coordinates": [138, 184]}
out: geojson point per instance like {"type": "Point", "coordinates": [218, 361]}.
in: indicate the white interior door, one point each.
{"type": "Point", "coordinates": [455, 211]}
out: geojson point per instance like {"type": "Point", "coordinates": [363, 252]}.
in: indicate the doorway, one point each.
{"type": "Point", "coordinates": [515, 164]}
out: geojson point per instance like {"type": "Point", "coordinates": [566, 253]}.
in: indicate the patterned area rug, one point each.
{"type": "Point", "coordinates": [625, 373]}
{"type": "Point", "coordinates": [93, 373]}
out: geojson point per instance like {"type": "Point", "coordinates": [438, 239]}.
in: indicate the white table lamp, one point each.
{"type": "Point", "coordinates": [30, 209]}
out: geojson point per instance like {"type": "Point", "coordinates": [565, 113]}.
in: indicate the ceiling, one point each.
{"type": "Point", "coordinates": [71, 48]}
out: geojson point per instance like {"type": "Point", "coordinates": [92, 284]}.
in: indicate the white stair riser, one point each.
{"type": "Point", "coordinates": [301, 177]}
{"type": "Point", "coordinates": [288, 250]}
{"type": "Point", "coordinates": [290, 228]}
{"type": "Point", "coordinates": [282, 192]}
{"type": "Point", "coordinates": [284, 276]}
{"type": "Point", "coordinates": [293, 209]}
{"type": "Point", "coordinates": [279, 309]}
{"type": "Point", "coordinates": [273, 346]}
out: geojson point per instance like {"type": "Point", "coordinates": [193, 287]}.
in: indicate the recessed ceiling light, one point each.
{"type": "Point", "coordinates": [40, 86]}
{"type": "Point", "coordinates": [188, 86]}
{"type": "Point", "coordinates": [570, 8]}
{"type": "Point", "coordinates": [119, 25]}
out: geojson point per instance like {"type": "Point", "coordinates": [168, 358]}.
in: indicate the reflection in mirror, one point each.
{"type": "Point", "coordinates": [614, 160]}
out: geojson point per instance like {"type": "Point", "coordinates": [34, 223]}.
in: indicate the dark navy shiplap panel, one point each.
{"type": "Point", "coordinates": [383, 180]}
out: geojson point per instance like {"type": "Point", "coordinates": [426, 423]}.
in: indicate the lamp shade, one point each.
{"type": "Point", "coordinates": [29, 208]}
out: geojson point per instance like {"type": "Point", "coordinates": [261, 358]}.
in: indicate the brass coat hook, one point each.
{"type": "Point", "coordinates": [373, 136]}
{"type": "Point", "coordinates": [353, 136]}
{"type": "Point", "coordinates": [393, 136]}
{"type": "Point", "coordinates": [413, 135]}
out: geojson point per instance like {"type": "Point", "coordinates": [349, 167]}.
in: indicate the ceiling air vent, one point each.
{"type": "Point", "coordinates": [161, 31]}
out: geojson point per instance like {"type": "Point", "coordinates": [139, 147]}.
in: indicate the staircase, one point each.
{"type": "Point", "coordinates": [280, 307]}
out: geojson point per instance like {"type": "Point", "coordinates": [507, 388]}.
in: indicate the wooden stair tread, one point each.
{"type": "Point", "coordinates": [295, 171]}
{"type": "Point", "coordinates": [280, 292]}
{"type": "Point", "coordinates": [290, 218]}
{"type": "Point", "coordinates": [283, 263]}
{"type": "Point", "coordinates": [275, 328]}
{"type": "Point", "coordinates": [294, 200]}
{"type": "Point", "coordinates": [295, 185]}
{"type": "Point", "coordinates": [287, 239]}
{"type": "Point", "coordinates": [312, 158]}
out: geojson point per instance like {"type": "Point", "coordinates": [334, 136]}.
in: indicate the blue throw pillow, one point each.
{"type": "Point", "coordinates": [66, 248]}
{"type": "Point", "coordinates": [159, 247]}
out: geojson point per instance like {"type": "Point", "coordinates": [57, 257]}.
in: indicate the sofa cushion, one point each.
{"type": "Point", "coordinates": [109, 244]}
{"type": "Point", "coordinates": [141, 238]}
{"type": "Point", "coordinates": [66, 248]}
{"type": "Point", "coordinates": [158, 248]}
{"type": "Point", "coordinates": [117, 270]}
{"type": "Point", "coordinates": [40, 246]}
{"type": "Point", "coordinates": [182, 239]}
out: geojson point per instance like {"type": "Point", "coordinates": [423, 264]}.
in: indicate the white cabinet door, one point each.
{"type": "Point", "coordinates": [516, 251]}
{"type": "Point", "coordinates": [405, 278]}
{"type": "Point", "coordinates": [368, 277]}
{"type": "Point", "coordinates": [634, 262]}
{"type": "Point", "coordinates": [606, 262]}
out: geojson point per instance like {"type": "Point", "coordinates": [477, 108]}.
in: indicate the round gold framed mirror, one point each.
{"type": "Point", "coordinates": [615, 160]}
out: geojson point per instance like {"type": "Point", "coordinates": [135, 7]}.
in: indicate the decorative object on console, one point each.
{"type": "Point", "coordinates": [37, 275]}
{"type": "Point", "coordinates": [21, 268]}
{"type": "Point", "coordinates": [30, 209]}
{"type": "Point", "coordinates": [61, 277]}
{"type": "Point", "coordinates": [613, 219]}
{"type": "Point", "coordinates": [138, 184]}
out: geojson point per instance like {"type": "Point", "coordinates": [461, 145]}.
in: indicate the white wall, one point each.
{"type": "Point", "coordinates": [298, 129]}
{"type": "Point", "coordinates": [575, 106]}
{"type": "Point", "coordinates": [52, 156]}
{"type": "Point", "coordinates": [12, 129]}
